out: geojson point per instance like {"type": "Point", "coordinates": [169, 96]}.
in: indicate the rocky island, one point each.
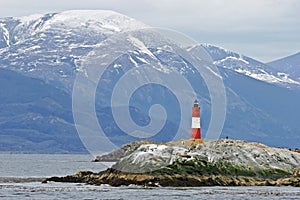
{"type": "Point", "coordinates": [222, 162]}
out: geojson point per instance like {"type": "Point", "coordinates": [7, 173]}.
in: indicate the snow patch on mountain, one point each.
{"type": "Point", "coordinates": [240, 59]}
{"type": "Point", "coordinates": [133, 61]}
{"type": "Point", "coordinates": [97, 20]}
{"type": "Point", "coordinates": [26, 20]}
{"type": "Point", "coordinates": [6, 36]}
{"type": "Point", "coordinates": [247, 66]}
{"type": "Point", "coordinates": [141, 46]}
{"type": "Point", "coordinates": [270, 78]}
{"type": "Point", "coordinates": [142, 60]}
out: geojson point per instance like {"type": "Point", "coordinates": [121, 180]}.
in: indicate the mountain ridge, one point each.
{"type": "Point", "coordinates": [54, 55]}
{"type": "Point", "coordinates": [241, 64]}
{"type": "Point", "coordinates": [289, 64]}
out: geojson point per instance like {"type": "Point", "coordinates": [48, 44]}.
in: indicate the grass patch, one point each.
{"type": "Point", "coordinates": [201, 167]}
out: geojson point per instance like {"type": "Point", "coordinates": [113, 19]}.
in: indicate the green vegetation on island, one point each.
{"type": "Point", "coordinates": [196, 163]}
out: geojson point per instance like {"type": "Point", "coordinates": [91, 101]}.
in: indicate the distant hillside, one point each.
{"type": "Point", "coordinates": [40, 56]}
{"type": "Point", "coordinates": [35, 116]}
{"type": "Point", "coordinates": [289, 65]}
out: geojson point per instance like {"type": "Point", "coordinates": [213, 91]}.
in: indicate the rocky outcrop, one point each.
{"type": "Point", "coordinates": [206, 163]}
{"type": "Point", "coordinates": [124, 151]}
{"type": "Point", "coordinates": [117, 178]}
{"type": "Point", "coordinates": [127, 149]}
{"type": "Point", "coordinates": [296, 150]}
{"type": "Point", "coordinates": [296, 173]}
{"type": "Point", "coordinates": [244, 156]}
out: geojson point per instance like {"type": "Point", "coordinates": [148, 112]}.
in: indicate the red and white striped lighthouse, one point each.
{"type": "Point", "coordinates": [196, 129]}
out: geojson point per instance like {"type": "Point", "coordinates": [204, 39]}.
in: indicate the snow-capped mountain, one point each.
{"type": "Point", "coordinates": [46, 52]}
{"type": "Point", "coordinates": [50, 46]}
{"type": "Point", "coordinates": [250, 67]}
{"type": "Point", "coordinates": [289, 65]}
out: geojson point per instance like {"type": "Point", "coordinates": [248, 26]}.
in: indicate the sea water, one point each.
{"type": "Point", "coordinates": [20, 176]}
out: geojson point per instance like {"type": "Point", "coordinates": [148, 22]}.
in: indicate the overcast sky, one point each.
{"type": "Point", "coordinates": [262, 29]}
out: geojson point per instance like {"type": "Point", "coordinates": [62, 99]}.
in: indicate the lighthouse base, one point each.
{"type": "Point", "coordinates": [196, 133]}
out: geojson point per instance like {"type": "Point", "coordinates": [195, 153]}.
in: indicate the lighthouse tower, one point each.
{"type": "Point", "coordinates": [196, 131]}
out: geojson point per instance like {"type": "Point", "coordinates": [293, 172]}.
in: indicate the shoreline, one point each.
{"type": "Point", "coordinates": [116, 178]}
{"type": "Point", "coordinates": [21, 179]}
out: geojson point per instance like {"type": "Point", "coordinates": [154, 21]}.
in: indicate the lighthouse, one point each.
{"type": "Point", "coordinates": [196, 131]}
